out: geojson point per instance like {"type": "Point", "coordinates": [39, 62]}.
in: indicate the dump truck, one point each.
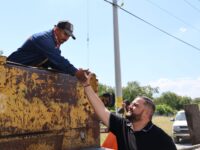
{"type": "Point", "coordinates": [45, 110]}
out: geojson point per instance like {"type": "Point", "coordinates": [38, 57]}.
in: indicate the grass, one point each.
{"type": "Point", "coordinates": [161, 121]}
{"type": "Point", "coordinates": [164, 123]}
{"type": "Point", "coordinates": [102, 137]}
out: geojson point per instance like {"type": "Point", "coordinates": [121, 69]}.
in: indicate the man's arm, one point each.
{"type": "Point", "coordinates": [46, 46]}
{"type": "Point", "coordinates": [102, 112]}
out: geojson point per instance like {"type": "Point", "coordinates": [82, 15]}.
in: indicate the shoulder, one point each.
{"type": "Point", "coordinates": [114, 117]}
{"type": "Point", "coordinates": [43, 35]}
{"type": "Point", "coordinates": [163, 139]}
{"type": "Point", "coordinates": [163, 136]}
{"type": "Point", "coordinates": [116, 120]}
{"type": "Point", "coordinates": [119, 125]}
{"type": "Point", "coordinates": [158, 130]}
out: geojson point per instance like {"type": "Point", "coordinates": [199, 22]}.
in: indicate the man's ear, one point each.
{"type": "Point", "coordinates": [147, 113]}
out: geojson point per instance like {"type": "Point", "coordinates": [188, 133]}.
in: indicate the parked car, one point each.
{"type": "Point", "coordinates": [180, 129]}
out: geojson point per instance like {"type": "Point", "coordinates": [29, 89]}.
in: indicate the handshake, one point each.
{"type": "Point", "coordinates": [81, 75]}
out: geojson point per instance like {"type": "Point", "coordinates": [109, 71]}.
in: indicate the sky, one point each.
{"type": "Point", "coordinates": [147, 55]}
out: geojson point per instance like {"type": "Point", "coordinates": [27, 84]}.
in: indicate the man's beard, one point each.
{"type": "Point", "coordinates": [133, 117]}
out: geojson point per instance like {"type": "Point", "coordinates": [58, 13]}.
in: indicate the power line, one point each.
{"type": "Point", "coordinates": [169, 13]}
{"type": "Point", "coordinates": [197, 9]}
{"type": "Point", "coordinates": [163, 31]}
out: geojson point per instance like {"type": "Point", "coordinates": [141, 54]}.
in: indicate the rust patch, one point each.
{"type": "Point", "coordinates": [33, 142]}
{"type": "Point", "coordinates": [33, 101]}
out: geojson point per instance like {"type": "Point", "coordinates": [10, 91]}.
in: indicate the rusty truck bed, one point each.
{"type": "Point", "coordinates": [44, 110]}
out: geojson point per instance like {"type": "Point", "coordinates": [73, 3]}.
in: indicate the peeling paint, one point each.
{"type": "Point", "coordinates": [38, 101]}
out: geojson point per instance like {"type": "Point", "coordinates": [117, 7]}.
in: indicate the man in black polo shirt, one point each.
{"type": "Point", "coordinates": [137, 132]}
{"type": "Point", "coordinates": [148, 136]}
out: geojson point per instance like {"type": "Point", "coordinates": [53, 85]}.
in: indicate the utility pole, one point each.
{"type": "Point", "coordinates": [118, 86]}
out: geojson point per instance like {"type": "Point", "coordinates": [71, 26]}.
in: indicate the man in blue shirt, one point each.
{"type": "Point", "coordinates": [43, 50]}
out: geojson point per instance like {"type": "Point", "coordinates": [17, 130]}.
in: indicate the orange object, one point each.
{"type": "Point", "coordinates": [110, 142]}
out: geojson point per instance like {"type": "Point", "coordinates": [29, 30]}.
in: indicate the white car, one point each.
{"type": "Point", "coordinates": [180, 128]}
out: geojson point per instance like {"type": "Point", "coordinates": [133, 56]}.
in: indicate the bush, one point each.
{"type": "Point", "coordinates": [164, 109]}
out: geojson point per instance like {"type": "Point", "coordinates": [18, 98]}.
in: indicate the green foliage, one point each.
{"type": "Point", "coordinates": [173, 100]}
{"type": "Point", "coordinates": [196, 100]}
{"type": "Point", "coordinates": [170, 100]}
{"type": "Point", "coordinates": [104, 89]}
{"type": "Point", "coordinates": [164, 109]}
{"type": "Point", "coordinates": [133, 89]}
{"type": "Point", "coordinates": [184, 100]}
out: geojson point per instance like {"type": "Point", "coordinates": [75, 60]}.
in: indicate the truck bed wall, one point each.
{"type": "Point", "coordinates": [44, 110]}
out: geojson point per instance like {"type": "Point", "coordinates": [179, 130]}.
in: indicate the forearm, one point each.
{"type": "Point", "coordinates": [102, 112]}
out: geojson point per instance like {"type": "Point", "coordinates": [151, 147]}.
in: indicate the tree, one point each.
{"type": "Point", "coordinates": [133, 89]}
{"type": "Point", "coordinates": [196, 100]}
{"type": "Point", "coordinates": [173, 100]}
{"type": "Point", "coordinates": [163, 109]}
{"type": "Point", "coordinates": [168, 98]}
{"type": "Point", "coordinates": [184, 101]}
{"type": "Point", "coordinates": [104, 89]}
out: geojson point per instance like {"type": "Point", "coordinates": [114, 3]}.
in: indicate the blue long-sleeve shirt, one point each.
{"type": "Point", "coordinates": [41, 48]}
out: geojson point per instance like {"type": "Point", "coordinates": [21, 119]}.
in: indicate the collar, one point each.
{"type": "Point", "coordinates": [147, 128]}
{"type": "Point", "coordinates": [56, 39]}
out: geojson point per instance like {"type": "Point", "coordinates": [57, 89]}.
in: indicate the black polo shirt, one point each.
{"type": "Point", "coordinates": [150, 137]}
{"type": "Point", "coordinates": [124, 134]}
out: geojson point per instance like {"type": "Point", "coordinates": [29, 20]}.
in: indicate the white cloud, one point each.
{"type": "Point", "coordinates": [181, 86]}
{"type": "Point", "coordinates": [182, 29]}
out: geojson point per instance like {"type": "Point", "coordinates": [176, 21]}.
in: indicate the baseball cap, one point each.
{"type": "Point", "coordinates": [67, 27]}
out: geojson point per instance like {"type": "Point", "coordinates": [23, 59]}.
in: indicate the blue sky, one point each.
{"type": "Point", "coordinates": [147, 55]}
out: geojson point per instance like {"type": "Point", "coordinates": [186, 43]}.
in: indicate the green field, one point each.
{"type": "Point", "coordinates": [161, 121]}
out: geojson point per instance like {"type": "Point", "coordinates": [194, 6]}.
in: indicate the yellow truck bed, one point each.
{"type": "Point", "coordinates": [44, 110]}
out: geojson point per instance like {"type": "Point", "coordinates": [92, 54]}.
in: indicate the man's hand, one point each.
{"type": "Point", "coordinates": [80, 75]}
{"type": "Point", "coordinates": [88, 77]}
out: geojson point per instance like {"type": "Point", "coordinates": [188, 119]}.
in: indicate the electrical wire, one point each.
{"type": "Point", "coordinates": [171, 14]}
{"type": "Point", "coordinates": [161, 30]}
{"type": "Point", "coordinates": [197, 9]}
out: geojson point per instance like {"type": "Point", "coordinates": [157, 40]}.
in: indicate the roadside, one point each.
{"type": "Point", "coordinates": [185, 146]}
